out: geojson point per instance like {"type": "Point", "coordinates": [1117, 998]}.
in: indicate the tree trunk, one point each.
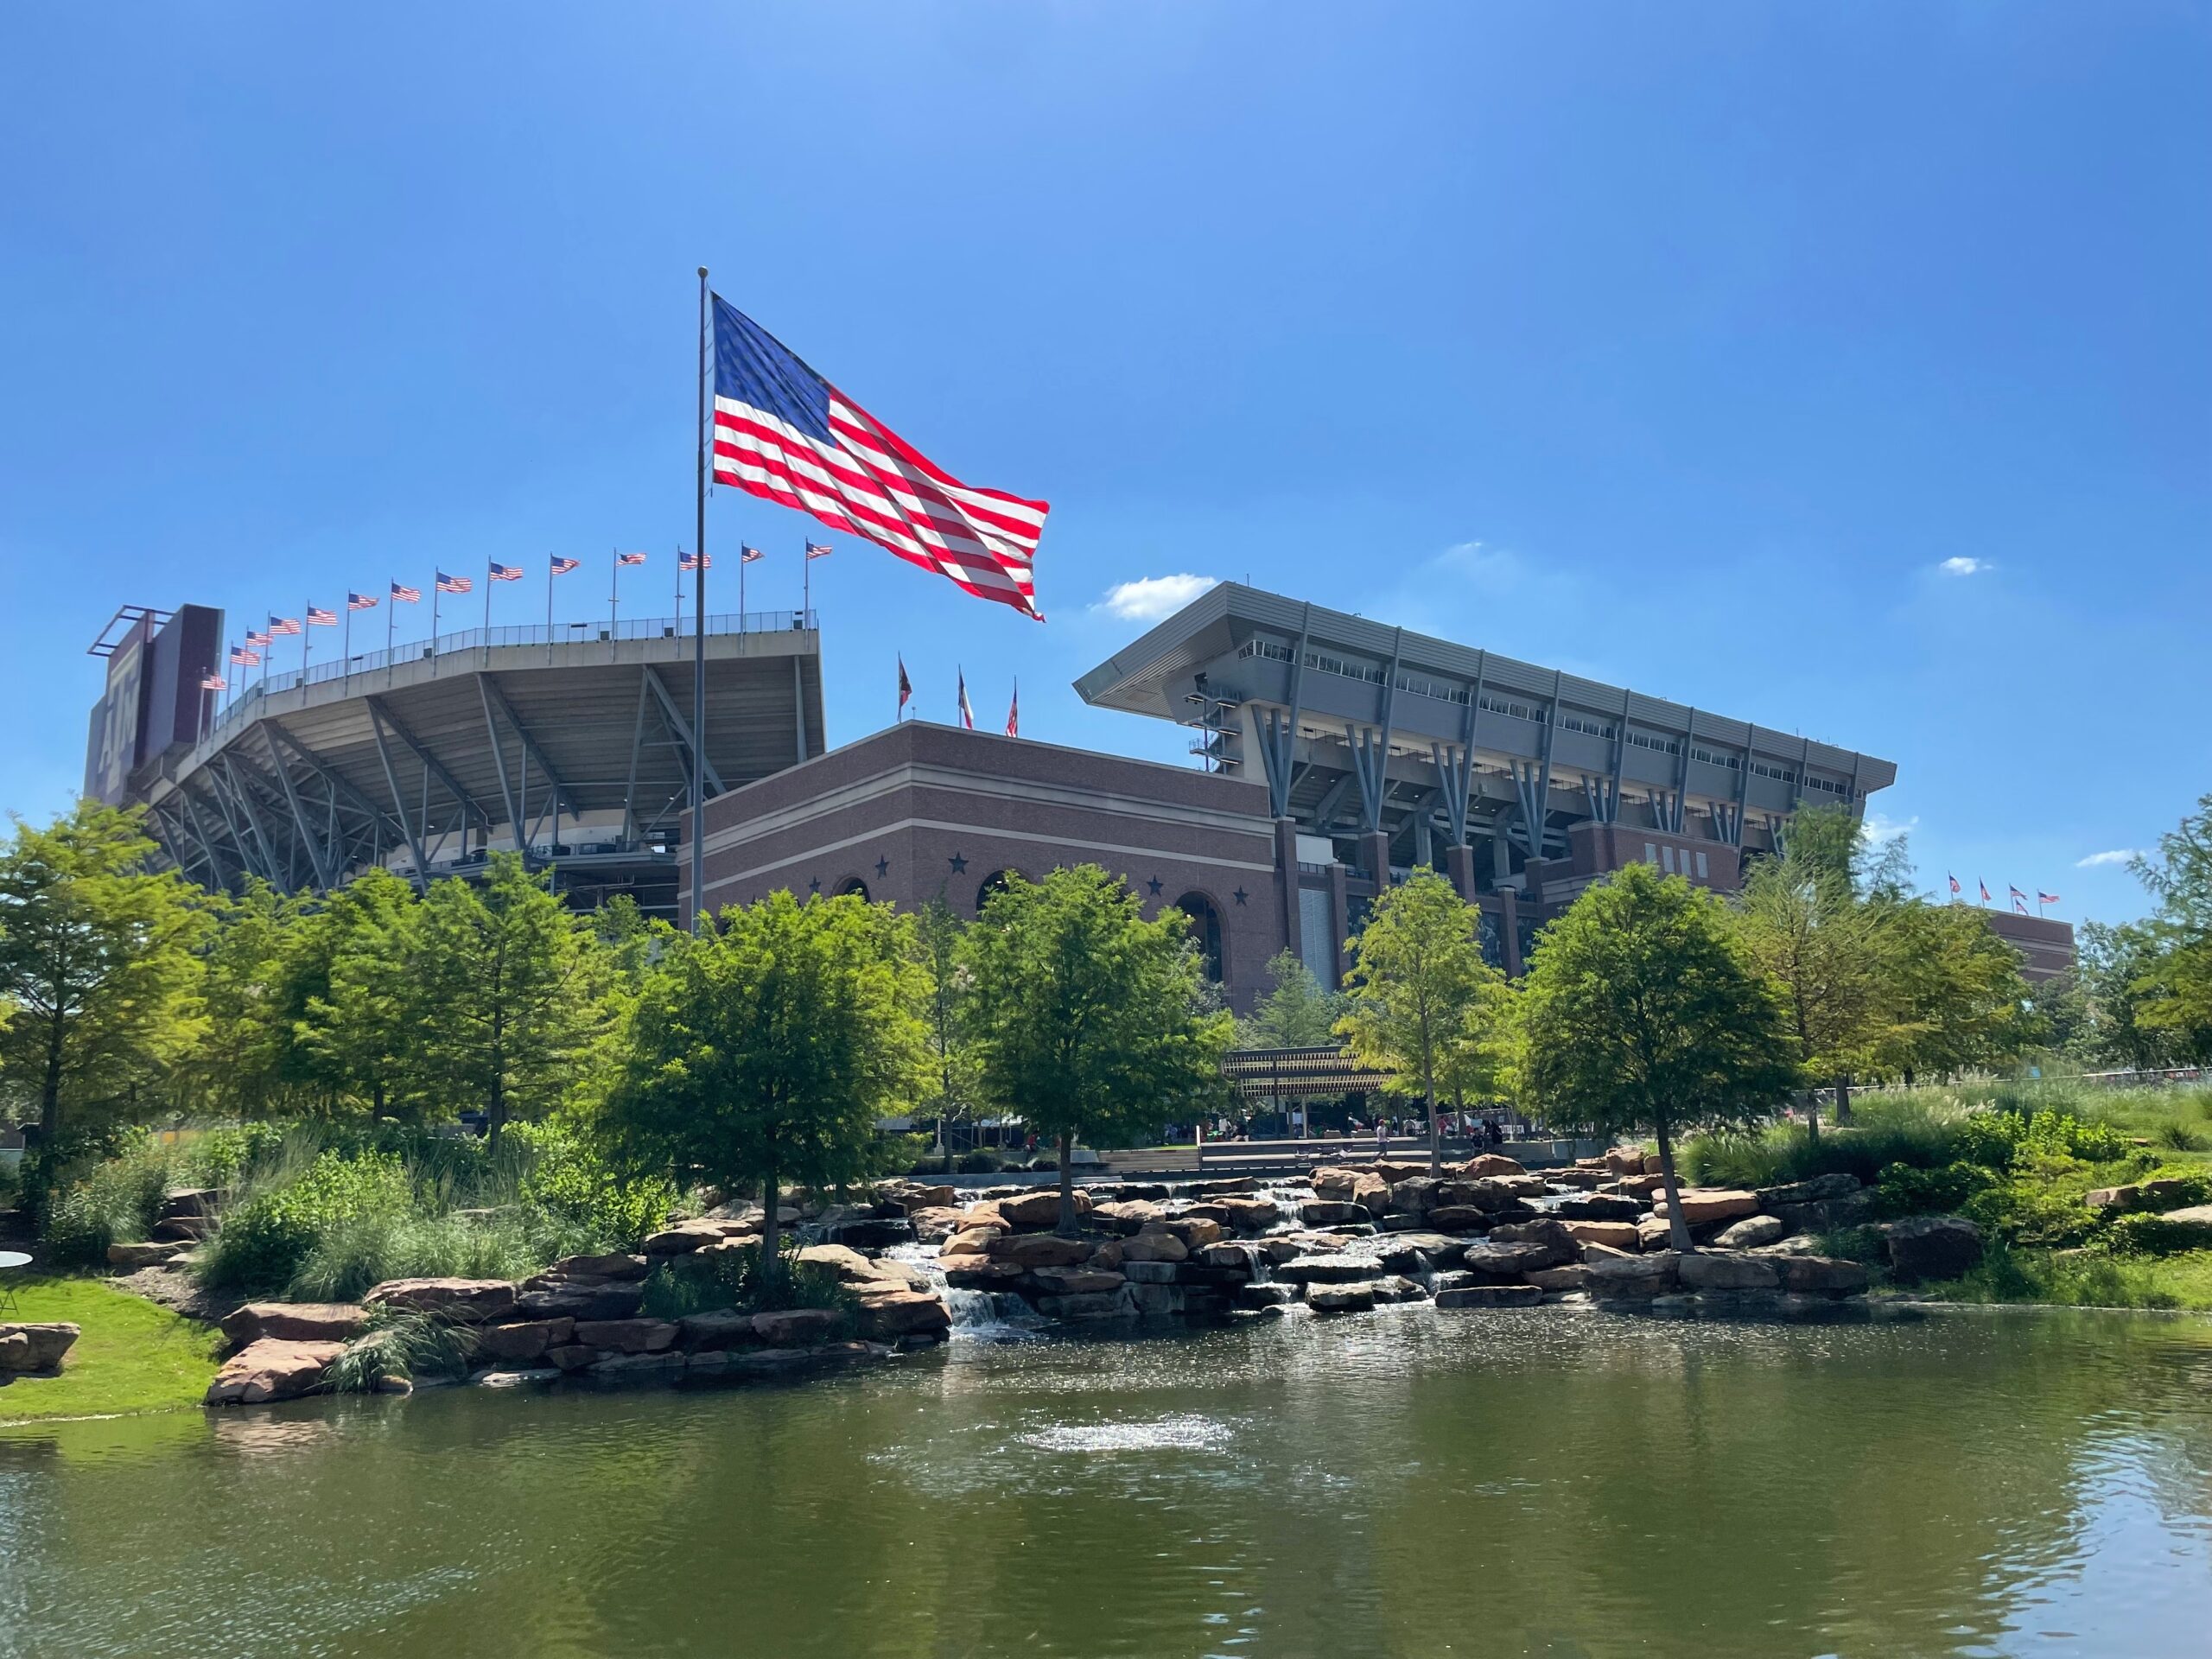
{"type": "Point", "coordinates": [1842, 1098]}
{"type": "Point", "coordinates": [1066, 1228]}
{"type": "Point", "coordinates": [1813, 1114]}
{"type": "Point", "coordinates": [772, 1263]}
{"type": "Point", "coordinates": [1435, 1154]}
{"type": "Point", "coordinates": [1678, 1227]}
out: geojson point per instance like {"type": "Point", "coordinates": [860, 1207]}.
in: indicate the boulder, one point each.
{"type": "Point", "coordinates": [1653, 1164]}
{"type": "Point", "coordinates": [792, 1327]}
{"type": "Point", "coordinates": [1076, 1282]}
{"type": "Point", "coordinates": [2197, 1218]}
{"type": "Point", "coordinates": [1259, 1296]}
{"type": "Point", "coordinates": [1653, 1233]}
{"type": "Point", "coordinates": [1126, 1215]}
{"type": "Point", "coordinates": [1152, 1273]}
{"type": "Point", "coordinates": [1702, 1204]}
{"type": "Point", "coordinates": [638, 1368]}
{"type": "Point", "coordinates": [183, 1229]}
{"type": "Point", "coordinates": [1825, 1215]}
{"type": "Point", "coordinates": [35, 1346]}
{"type": "Point", "coordinates": [572, 1356]}
{"type": "Point", "coordinates": [545, 1298]}
{"type": "Point", "coordinates": [1490, 1163]}
{"type": "Point", "coordinates": [871, 1232]}
{"type": "Point", "coordinates": [1332, 1183]}
{"type": "Point", "coordinates": [464, 1301]}
{"type": "Point", "coordinates": [1821, 1189]}
{"type": "Point", "coordinates": [1251, 1215]}
{"type": "Point", "coordinates": [2139, 1195]}
{"type": "Point", "coordinates": [933, 1225]}
{"type": "Point", "coordinates": [1613, 1235]}
{"type": "Point", "coordinates": [1819, 1275]}
{"type": "Point", "coordinates": [153, 1253]}
{"type": "Point", "coordinates": [1458, 1219]}
{"type": "Point", "coordinates": [297, 1322]}
{"type": "Point", "coordinates": [1031, 1250]}
{"type": "Point", "coordinates": [613, 1265]}
{"type": "Point", "coordinates": [682, 1238]}
{"type": "Point", "coordinates": [1342, 1269]}
{"type": "Point", "coordinates": [1106, 1258]}
{"type": "Point", "coordinates": [1395, 1287]}
{"type": "Point", "coordinates": [1750, 1231]}
{"type": "Point", "coordinates": [628, 1336]}
{"type": "Point", "coordinates": [189, 1203]}
{"type": "Point", "coordinates": [851, 1266]}
{"type": "Point", "coordinates": [1357, 1298]}
{"type": "Point", "coordinates": [886, 1315]}
{"type": "Point", "coordinates": [1194, 1230]}
{"type": "Point", "coordinates": [1560, 1246]}
{"type": "Point", "coordinates": [724, 1328]}
{"type": "Point", "coordinates": [1635, 1186]}
{"type": "Point", "coordinates": [1414, 1196]}
{"type": "Point", "coordinates": [981, 1272]}
{"type": "Point", "coordinates": [527, 1340]}
{"type": "Point", "coordinates": [1505, 1260]}
{"type": "Point", "coordinates": [1933, 1246]}
{"type": "Point", "coordinates": [1599, 1206]}
{"type": "Point", "coordinates": [1702, 1271]}
{"type": "Point", "coordinates": [1229, 1187]}
{"type": "Point", "coordinates": [1492, 1296]}
{"type": "Point", "coordinates": [1096, 1305]}
{"type": "Point", "coordinates": [974, 1241]}
{"type": "Point", "coordinates": [1625, 1162]}
{"type": "Point", "coordinates": [1324, 1212]}
{"type": "Point", "coordinates": [911, 1197]}
{"type": "Point", "coordinates": [1441, 1249]}
{"type": "Point", "coordinates": [1040, 1208]}
{"type": "Point", "coordinates": [272, 1369]}
{"type": "Point", "coordinates": [1557, 1280]}
{"type": "Point", "coordinates": [1155, 1244]}
{"type": "Point", "coordinates": [1579, 1177]}
{"type": "Point", "coordinates": [1631, 1278]}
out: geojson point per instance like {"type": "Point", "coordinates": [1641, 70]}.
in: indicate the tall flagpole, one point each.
{"type": "Point", "coordinates": [699, 647]}
{"type": "Point", "coordinates": [346, 643]}
{"type": "Point", "coordinates": [614, 598]}
{"type": "Point", "coordinates": [548, 610]}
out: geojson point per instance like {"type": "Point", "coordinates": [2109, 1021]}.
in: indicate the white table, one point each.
{"type": "Point", "coordinates": [10, 1260]}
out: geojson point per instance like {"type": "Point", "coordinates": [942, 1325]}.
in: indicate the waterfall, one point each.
{"type": "Point", "coordinates": [981, 1315]}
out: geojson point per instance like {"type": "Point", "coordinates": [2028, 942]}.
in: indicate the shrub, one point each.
{"type": "Point", "coordinates": [564, 1177]}
{"type": "Point", "coordinates": [1904, 1190]}
{"type": "Point", "coordinates": [221, 1158]}
{"type": "Point", "coordinates": [714, 1279]}
{"type": "Point", "coordinates": [114, 1200]}
{"type": "Point", "coordinates": [2089, 1280]}
{"type": "Point", "coordinates": [267, 1236]}
{"type": "Point", "coordinates": [2152, 1235]}
{"type": "Point", "coordinates": [2030, 1211]}
{"type": "Point", "coordinates": [978, 1162]}
{"type": "Point", "coordinates": [401, 1344]}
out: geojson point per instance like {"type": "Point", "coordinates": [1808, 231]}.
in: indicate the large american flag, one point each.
{"type": "Point", "coordinates": [783, 432]}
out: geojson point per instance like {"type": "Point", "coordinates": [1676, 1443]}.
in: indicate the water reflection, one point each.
{"type": "Point", "coordinates": [1414, 1482]}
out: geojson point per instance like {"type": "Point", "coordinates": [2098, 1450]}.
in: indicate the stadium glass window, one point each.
{"type": "Point", "coordinates": [1650, 852]}
{"type": "Point", "coordinates": [852, 884]}
{"type": "Point", "coordinates": [1206, 931]}
{"type": "Point", "coordinates": [1701, 875]}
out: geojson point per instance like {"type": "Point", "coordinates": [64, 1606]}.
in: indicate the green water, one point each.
{"type": "Point", "coordinates": [1546, 1482]}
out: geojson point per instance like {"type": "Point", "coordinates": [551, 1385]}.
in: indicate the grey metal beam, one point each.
{"type": "Point", "coordinates": [531, 749]}
{"type": "Point", "coordinates": [799, 716]}
{"type": "Point", "coordinates": [1370, 757]}
{"type": "Point", "coordinates": [318, 855]}
{"type": "Point", "coordinates": [336, 781]}
{"type": "Point", "coordinates": [417, 747]}
{"type": "Point", "coordinates": [637, 745]}
{"type": "Point", "coordinates": [240, 844]}
{"type": "Point", "coordinates": [499, 760]}
{"type": "Point", "coordinates": [681, 728]}
{"type": "Point", "coordinates": [252, 815]}
{"type": "Point", "coordinates": [398, 801]}
{"type": "Point", "coordinates": [1452, 770]}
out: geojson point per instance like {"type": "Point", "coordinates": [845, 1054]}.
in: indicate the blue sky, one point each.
{"type": "Point", "coordinates": [1845, 368]}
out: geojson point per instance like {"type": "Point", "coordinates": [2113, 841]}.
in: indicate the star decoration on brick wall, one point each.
{"type": "Point", "coordinates": [882, 868]}
{"type": "Point", "coordinates": [814, 885]}
{"type": "Point", "coordinates": [959, 864]}
{"type": "Point", "coordinates": [1240, 895]}
{"type": "Point", "coordinates": [1154, 886]}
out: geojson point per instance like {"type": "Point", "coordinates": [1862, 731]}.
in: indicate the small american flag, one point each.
{"type": "Point", "coordinates": [748, 555]}
{"type": "Point", "coordinates": [402, 595]}
{"type": "Point", "coordinates": [561, 567]}
{"type": "Point", "coordinates": [966, 713]}
{"type": "Point", "coordinates": [1014, 713]}
{"type": "Point", "coordinates": [629, 558]}
{"type": "Point", "coordinates": [692, 561]}
{"type": "Point", "coordinates": [319, 618]}
{"type": "Point", "coordinates": [505, 572]}
{"type": "Point", "coordinates": [213, 683]}
{"type": "Point", "coordinates": [361, 601]}
{"type": "Point", "coordinates": [283, 627]}
{"type": "Point", "coordinates": [254, 639]}
{"type": "Point", "coordinates": [455, 584]}
{"type": "Point", "coordinates": [2043, 898]}
{"type": "Point", "coordinates": [244, 658]}
{"type": "Point", "coordinates": [818, 550]}
{"type": "Point", "coordinates": [784, 433]}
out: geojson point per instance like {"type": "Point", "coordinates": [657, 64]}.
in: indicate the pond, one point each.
{"type": "Point", "coordinates": [1551, 1481]}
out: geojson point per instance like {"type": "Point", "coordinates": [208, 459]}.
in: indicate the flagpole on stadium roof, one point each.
{"type": "Point", "coordinates": [699, 640]}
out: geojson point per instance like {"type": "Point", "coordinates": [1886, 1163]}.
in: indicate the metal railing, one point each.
{"type": "Point", "coordinates": [243, 705]}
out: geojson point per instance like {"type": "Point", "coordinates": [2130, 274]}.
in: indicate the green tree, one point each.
{"type": "Point", "coordinates": [2175, 985]}
{"type": "Point", "coordinates": [100, 974]}
{"type": "Point", "coordinates": [360, 1027]}
{"type": "Point", "coordinates": [497, 993]}
{"type": "Point", "coordinates": [1297, 1012]}
{"type": "Point", "coordinates": [1090, 1022]}
{"type": "Point", "coordinates": [238, 1068]}
{"type": "Point", "coordinates": [767, 1047]}
{"type": "Point", "coordinates": [1643, 1011]}
{"type": "Point", "coordinates": [953, 1077]}
{"type": "Point", "coordinates": [1956, 1000]}
{"type": "Point", "coordinates": [1422, 1004]}
{"type": "Point", "coordinates": [2114, 968]}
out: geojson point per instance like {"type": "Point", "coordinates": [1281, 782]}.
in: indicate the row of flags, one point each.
{"type": "Point", "coordinates": [967, 709]}
{"type": "Point", "coordinates": [2019, 899]}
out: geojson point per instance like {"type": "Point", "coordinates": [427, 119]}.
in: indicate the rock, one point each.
{"type": "Point", "coordinates": [1719, 1271]}
{"type": "Point", "coordinates": [1229, 1186]}
{"type": "Point", "coordinates": [1323, 1212]}
{"type": "Point", "coordinates": [1613, 1235]}
{"type": "Point", "coordinates": [1106, 1258]}
{"type": "Point", "coordinates": [1032, 1251]}
{"type": "Point", "coordinates": [1557, 1280]}
{"type": "Point", "coordinates": [1195, 1231]}
{"type": "Point", "coordinates": [724, 1328]}
{"type": "Point", "coordinates": [615, 1266]}
{"type": "Point", "coordinates": [1396, 1287]}
{"type": "Point", "coordinates": [1653, 1165]}
{"type": "Point", "coordinates": [1824, 1216]}
{"type": "Point", "coordinates": [1933, 1246]}
{"type": "Point", "coordinates": [2195, 1218]}
{"type": "Point", "coordinates": [981, 1272]}
{"type": "Point", "coordinates": [1631, 1278]}
{"type": "Point", "coordinates": [1328, 1269]}
{"type": "Point", "coordinates": [686, 1237]}
{"type": "Point", "coordinates": [1496, 1261]}
{"type": "Point", "coordinates": [189, 1203]}
{"type": "Point", "coordinates": [795, 1326]}
{"type": "Point", "coordinates": [272, 1369]}
{"type": "Point", "coordinates": [974, 1241]}
{"type": "Point", "coordinates": [1236, 1258]}
{"type": "Point", "coordinates": [2139, 1195]}
{"type": "Point", "coordinates": [572, 1356]}
{"type": "Point", "coordinates": [1358, 1297]}
{"type": "Point", "coordinates": [1155, 1244]}
{"type": "Point", "coordinates": [153, 1253]}
{"type": "Point", "coordinates": [1711, 1204]}
{"type": "Point", "coordinates": [871, 1232]}
{"type": "Point", "coordinates": [1653, 1233]}
{"type": "Point", "coordinates": [464, 1301]}
{"type": "Point", "coordinates": [1126, 1215]}
{"type": "Point", "coordinates": [888, 1314]}
{"type": "Point", "coordinates": [515, 1379]}
{"type": "Point", "coordinates": [183, 1229]}
{"type": "Point", "coordinates": [1749, 1231]}
{"type": "Point", "coordinates": [1560, 1246]}
{"type": "Point", "coordinates": [297, 1322]}
{"type": "Point", "coordinates": [527, 1340]}
{"type": "Point", "coordinates": [1076, 1282]}
{"type": "Point", "coordinates": [1442, 1248]}
{"type": "Point", "coordinates": [1458, 1219]}
{"type": "Point", "coordinates": [1579, 1177]}
{"type": "Point", "coordinates": [1819, 1190]}
{"type": "Point", "coordinates": [1819, 1275]}
{"type": "Point", "coordinates": [36, 1345]}
{"type": "Point", "coordinates": [1040, 1208]}
{"type": "Point", "coordinates": [849, 1266]}
{"type": "Point", "coordinates": [1635, 1186]}
{"type": "Point", "coordinates": [1099, 1304]}
{"type": "Point", "coordinates": [1251, 1215]}
{"type": "Point", "coordinates": [638, 1367]}
{"type": "Point", "coordinates": [1414, 1196]}
{"type": "Point", "coordinates": [934, 1225]}
{"type": "Point", "coordinates": [1152, 1273]}
{"type": "Point", "coordinates": [628, 1336]}
{"type": "Point", "coordinates": [912, 1198]}
{"type": "Point", "coordinates": [577, 1298]}
{"type": "Point", "coordinates": [1490, 1163]}
{"type": "Point", "coordinates": [1258, 1296]}
{"type": "Point", "coordinates": [1599, 1206]}
{"type": "Point", "coordinates": [1492, 1296]}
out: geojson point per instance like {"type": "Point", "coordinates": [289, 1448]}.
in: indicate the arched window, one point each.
{"type": "Point", "coordinates": [852, 884]}
{"type": "Point", "coordinates": [1206, 930]}
{"type": "Point", "coordinates": [993, 883]}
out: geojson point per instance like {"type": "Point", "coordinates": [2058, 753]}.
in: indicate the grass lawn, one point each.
{"type": "Point", "coordinates": [133, 1356]}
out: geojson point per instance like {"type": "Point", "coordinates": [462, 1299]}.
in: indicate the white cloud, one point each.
{"type": "Point", "coordinates": [1881, 830]}
{"type": "Point", "coordinates": [1149, 598]}
{"type": "Point", "coordinates": [2097, 861]}
{"type": "Point", "coordinates": [1965, 567]}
